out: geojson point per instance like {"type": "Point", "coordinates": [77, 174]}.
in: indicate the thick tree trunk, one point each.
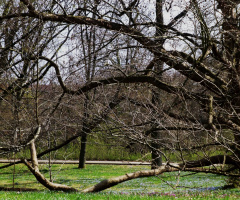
{"type": "Point", "coordinates": [231, 44]}
{"type": "Point", "coordinates": [218, 159]}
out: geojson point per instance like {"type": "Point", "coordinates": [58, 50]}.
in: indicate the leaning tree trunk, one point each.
{"type": "Point", "coordinates": [107, 183]}
{"type": "Point", "coordinates": [33, 167]}
{"type": "Point", "coordinates": [188, 166]}
{"type": "Point", "coordinates": [194, 166]}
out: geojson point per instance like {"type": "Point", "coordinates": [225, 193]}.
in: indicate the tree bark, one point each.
{"type": "Point", "coordinates": [82, 156]}
{"type": "Point", "coordinates": [116, 180]}
{"type": "Point", "coordinates": [158, 67]}
{"type": "Point", "coordinates": [35, 171]}
{"type": "Point", "coordinates": [46, 183]}
{"type": "Point", "coordinates": [189, 166]}
{"type": "Point", "coordinates": [218, 159]}
{"type": "Point", "coordinates": [156, 155]}
{"type": "Point", "coordinates": [85, 130]}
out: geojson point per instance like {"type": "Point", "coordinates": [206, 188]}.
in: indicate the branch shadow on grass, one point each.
{"type": "Point", "coordinates": [19, 189]}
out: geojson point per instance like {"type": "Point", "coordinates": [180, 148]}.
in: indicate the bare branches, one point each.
{"type": "Point", "coordinates": [179, 16]}
{"type": "Point", "coordinates": [164, 56]}
{"type": "Point", "coordinates": [81, 69]}
{"type": "Point", "coordinates": [31, 139]}
{"type": "Point", "coordinates": [29, 5]}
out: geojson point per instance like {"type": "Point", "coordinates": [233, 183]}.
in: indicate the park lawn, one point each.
{"type": "Point", "coordinates": [43, 195]}
{"type": "Point", "coordinates": [161, 187]}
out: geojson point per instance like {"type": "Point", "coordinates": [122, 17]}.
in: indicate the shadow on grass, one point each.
{"type": "Point", "coordinates": [19, 189]}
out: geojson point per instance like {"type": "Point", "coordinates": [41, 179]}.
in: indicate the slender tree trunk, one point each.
{"type": "Point", "coordinates": [85, 130]}
{"type": "Point", "coordinates": [156, 155]}
{"type": "Point", "coordinates": [82, 156]}
{"type": "Point", "coordinates": [158, 67]}
{"type": "Point", "coordinates": [90, 60]}
{"type": "Point", "coordinates": [156, 136]}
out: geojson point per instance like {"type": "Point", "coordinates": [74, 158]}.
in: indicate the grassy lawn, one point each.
{"type": "Point", "coordinates": [105, 195]}
{"type": "Point", "coordinates": [167, 186]}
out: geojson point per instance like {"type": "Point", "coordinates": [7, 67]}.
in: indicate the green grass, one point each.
{"type": "Point", "coordinates": [196, 186]}
{"type": "Point", "coordinates": [110, 195]}
{"type": "Point", "coordinates": [92, 174]}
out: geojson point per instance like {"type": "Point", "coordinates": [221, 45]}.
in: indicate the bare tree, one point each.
{"type": "Point", "coordinates": [192, 65]}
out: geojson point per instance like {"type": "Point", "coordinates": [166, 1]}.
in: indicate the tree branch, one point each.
{"type": "Point", "coordinates": [116, 180]}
